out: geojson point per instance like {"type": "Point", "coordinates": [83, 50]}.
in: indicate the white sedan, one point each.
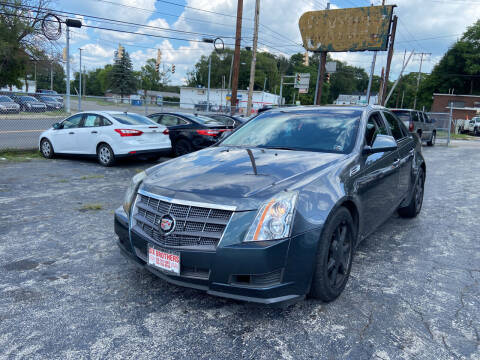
{"type": "Point", "coordinates": [108, 135]}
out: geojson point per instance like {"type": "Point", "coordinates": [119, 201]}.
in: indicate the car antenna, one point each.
{"type": "Point", "coordinates": [252, 160]}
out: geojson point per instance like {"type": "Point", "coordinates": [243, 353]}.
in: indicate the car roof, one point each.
{"type": "Point", "coordinates": [326, 107]}
{"type": "Point", "coordinates": [404, 110]}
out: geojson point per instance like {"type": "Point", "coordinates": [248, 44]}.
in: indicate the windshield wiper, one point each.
{"type": "Point", "coordinates": [278, 148]}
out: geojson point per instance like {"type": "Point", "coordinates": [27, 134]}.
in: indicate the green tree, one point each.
{"type": "Point", "coordinates": [121, 78]}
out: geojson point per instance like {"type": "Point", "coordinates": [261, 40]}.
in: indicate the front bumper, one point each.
{"type": "Point", "coordinates": [264, 273]}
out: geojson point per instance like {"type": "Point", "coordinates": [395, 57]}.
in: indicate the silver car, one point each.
{"type": "Point", "coordinates": [7, 105]}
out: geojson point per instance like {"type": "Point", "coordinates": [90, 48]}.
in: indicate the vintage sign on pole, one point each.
{"type": "Point", "coordinates": [302, 81]}
{"type": "Point", "coordinates": [354, 29]}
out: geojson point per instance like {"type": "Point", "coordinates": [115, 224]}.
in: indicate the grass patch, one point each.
{"type": "Point", "coordinates": [87, 177]}
{"type": "Point", "coordinates": [91, 207]}
{"type": "Point", "coordinates": [444, 134]}
{"type": "Point", "coordinates": [62, 181]}
{"type": "Point", "coordinates": [19, 155]}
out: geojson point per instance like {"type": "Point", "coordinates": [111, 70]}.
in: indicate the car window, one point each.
{"type": "Point", "coordinates": [5, 99]}
{"type": "Point", "coordinates": [403, 115]}
{"type": "Point", "coordinates": [72, 122]}
{"type": "Point", "coordinates": [415, 116]}
{"type": "Point", "coordinates": [169, 120]}
{"type": "Point", "coordinates": [320, 130]}
{"type": "Point", "coordinates": [394, 125]}
{"type": "Point", "coordinates": [375, 126]}
{"type": "Point", "coordinates": [132, 119]}
{"type": "Point", "coordinates": [92, 120]}
{"type": "Point", "coordinates": [155, 118]}
{"type": "Point", "coordinates": [427, 118]}
{"type": "Point", "coordinates": [105, 121]}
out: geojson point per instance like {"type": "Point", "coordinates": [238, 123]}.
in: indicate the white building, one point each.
{"type": "Point", "coordinates": [219, 98]}
{"type": "Point", "coordinates": [356, 99]}
{"type": "Point", "coordinates": [32, 87]}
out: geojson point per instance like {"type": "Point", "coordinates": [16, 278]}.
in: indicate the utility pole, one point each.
{"type": "Point", "coordinates": [254, 57]}
{"type": "Point", "coordinates": [84, 81]}
{"type": "Point", "coordinates": [264, 83]}
{"type": "Point", "coordinates": [80, 82]}
{"type": "Point", "coordinates": [67, 103]}
{"type": "Point", "coordinates": [51, 75]}
{"type": "Point", "coordinates": [380, 90]}
{"type": "Point", "coordinates": [372, 70]}
{"type": "Point", "coordinates": [236, 57]}
{"type": "Point", "coordinates": [418, 77]}
{"type": "Point", "coordinates": [208, 90]}
{"type": "Point", "coordinates": [230, 76]}
{"type": "Point", "coordinates": [321, 72]}
{"type": "Point", "coordinates": [389, 59]}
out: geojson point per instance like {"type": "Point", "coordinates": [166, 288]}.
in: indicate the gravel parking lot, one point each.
{"type": "Point", "coordinates": [66, 292]}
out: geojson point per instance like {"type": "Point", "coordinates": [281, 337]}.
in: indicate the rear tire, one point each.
{"type": "Point", "coordinates": [334, 257]}
{"type": "Point", "coordinates": [182, 147]}
{"type": "Point", "coordinates": [432, 140]}
{"type": "Point", "coordinates": [46, 149]}
{"type": "Point", "coordinates": [105, 155]}
{"type": "Point", "coordinates": [415, 205]}
{"type": "Point", "coordinates": [476, 132]}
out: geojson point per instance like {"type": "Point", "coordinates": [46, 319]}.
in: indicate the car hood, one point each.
{"type": "Point", "coordinates": [225, 175]}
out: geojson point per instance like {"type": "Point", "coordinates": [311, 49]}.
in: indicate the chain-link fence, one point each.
{"type": "Point", "coordinates": [23, 117]}
{"type": "Point", "coordinates": [443, 127]}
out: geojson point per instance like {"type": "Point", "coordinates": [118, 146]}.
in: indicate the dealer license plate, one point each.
{"type": "Point", "coordinates": [164, 259]}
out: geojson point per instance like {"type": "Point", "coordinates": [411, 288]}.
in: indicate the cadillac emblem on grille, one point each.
{"type": "Point", "coordinates": [167, 224]}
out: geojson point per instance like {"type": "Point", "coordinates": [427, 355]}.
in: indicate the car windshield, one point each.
{"type": "Point", "coordinates": [5, 99]}
{"type": "Point", "coordinates": [321, 130]}
{"type": "Point", "coordinates": [402, 115]}
{"type": "Point", "coordinates": [133, 119]}
{"type": "Point", "coordinates": [203, 119]}
{"type": "Point", "coordinates": [28, 98]}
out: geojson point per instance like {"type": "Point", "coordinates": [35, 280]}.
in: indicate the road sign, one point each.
{"type": "Point", "coordinates": [331, 67]}
{"type": "Point", "coordinates": [302, 80]}
{"type": "Point", "coordinates": [354, 29]}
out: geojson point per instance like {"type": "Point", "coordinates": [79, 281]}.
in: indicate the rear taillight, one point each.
{"type": "Point", "coordinates": [209, 132]}
{"type": "Point", "coordinates": [410, 126]}
{"type": "Point", "coordinates": [165, 132]}
{"type": "Point", "coordinates": [129, 132]}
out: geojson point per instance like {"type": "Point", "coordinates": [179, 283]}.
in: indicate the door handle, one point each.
{"type": "Point", "coordinates": [396, 163]}
{"type": "Point", "coordinates": [94, 132]}
{"type": "Point", "coordinates": [71, 132]}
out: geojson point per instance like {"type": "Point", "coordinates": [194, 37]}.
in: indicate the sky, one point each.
{"type": "Point", "coordinates": [177, 27]}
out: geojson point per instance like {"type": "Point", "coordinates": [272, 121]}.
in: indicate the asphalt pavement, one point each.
{"type": "Point", "coordinates": [67, 293]}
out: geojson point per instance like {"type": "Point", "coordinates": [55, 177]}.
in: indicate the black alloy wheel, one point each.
{"type": "Point", "coordinates": [182, 147]}
{"type": "Point", "coordinates": [334, 257]}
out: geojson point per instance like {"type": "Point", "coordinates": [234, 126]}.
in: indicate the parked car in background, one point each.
{"type": "Point", "coordinates": [228, 120]}
{"type": "Point", "coordinates": [419, 123]}
{"type": "Point", "coordinates": [471, 126]}
{"type": "Point", "coordinates": [51, 102]}
{"type": "Point", "coordinates": [107, 135]}
{"type": "Point", "coordinates": [29, 103]}
{"type": "Point", "coordinates": [51, 93]}
{"type": "Point", "coordinates": [189, 132]}
{"type": "Point", "coordinates": [276, 210]}
{"type": "Point", "coordinates": [7, 105]}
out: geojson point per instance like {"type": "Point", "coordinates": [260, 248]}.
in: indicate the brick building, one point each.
{"type": "Point", "coordinates": [463, 106]}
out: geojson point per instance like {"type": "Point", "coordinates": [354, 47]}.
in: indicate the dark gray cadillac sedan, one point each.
{"type": "Point", "coordinates": [274, 211]}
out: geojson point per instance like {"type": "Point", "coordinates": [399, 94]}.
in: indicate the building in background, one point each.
{"type": "Point", "coordinates": [463, 106]}
{"type": "Point", "coordinates": [356, 99]}
{"type": "Point", "coordinates": [29, 87]}
{"type": "Point", "coordinates": [196, 98]}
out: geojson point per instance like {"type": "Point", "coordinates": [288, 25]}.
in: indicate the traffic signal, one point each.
{"type": "Point", "coordinates": [305, 59]}
{"type": "Point", "coordinates": [297, 79]}
{"type": "Point", "coordinates": [173, 69]}
{"type": "Point", "coordinates": [327, 78]}
{"type": "Point", "coordinates": [157, 67]}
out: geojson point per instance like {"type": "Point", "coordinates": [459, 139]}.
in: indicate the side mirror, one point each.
{"type": "Point", "coordinates": [382, 143]}
{"type": "Point", "coordinates": [57, 126]}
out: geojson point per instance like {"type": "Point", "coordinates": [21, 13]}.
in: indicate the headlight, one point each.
{"type": "Point", "coordinates": [132, 191]}
{"type": "Point", "coordinates": [274, 218]}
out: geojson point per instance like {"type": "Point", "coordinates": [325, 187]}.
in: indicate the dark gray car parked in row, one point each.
{"type": "Point", "coordinates": [274, 211]}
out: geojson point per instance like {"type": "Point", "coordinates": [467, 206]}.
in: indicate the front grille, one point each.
{"type": "Point", "coordinates": [195, 227]}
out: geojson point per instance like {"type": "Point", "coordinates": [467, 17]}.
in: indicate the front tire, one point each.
{"type": "Point", "coordinates": [334, 257]}
{"type": "Point", "coordinates": [432, 140]}
{"type": "Point", "coordinates": [182, 147]}
{"type": "Point", "coordinates": [46, 149]}
{"type": "Point", "coordinates": [105, 155]}
{"type": "Point", "coordinates": [415, 205]}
